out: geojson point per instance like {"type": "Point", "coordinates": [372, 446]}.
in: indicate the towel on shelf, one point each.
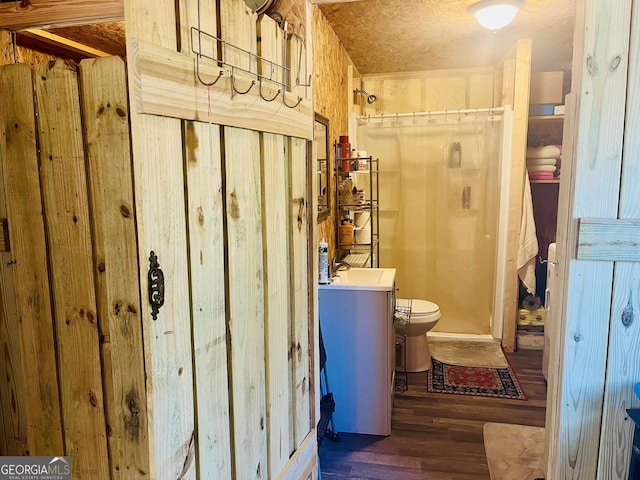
{"type": "Point", "coordinates": [535, 162]}
{"type": "Point", "coordinates": [541, 168]}
{"type": "Point", "coordinates": [546, 151]}
{"type": "Point", "coordinates": [528, 244]}
{"type": "Point", "coordinates": [541, 176]}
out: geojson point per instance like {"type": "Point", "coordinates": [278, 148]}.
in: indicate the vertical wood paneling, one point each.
{"type": "Point", "coordinates": [522, 74]}
{"type": "Point", "coordinates": [303, 464]}
{"type": "Point", "coordinates": [33, 421]}
{"type": "Point", "coordinates": [12, 400]}
{"type": "Point", "coordinates": [12, 397]}
{"type": "Point", "coordinates": [559, 288]}
{"type": "Point", "coordinates": [28, 250]}
{"type": "Point", "coordinates": [206, 261]}
{"type": "Point", "coordinates": [312, 239]}
{"type": "Point", "coordinates": [300, 300]}
{"type": "Point", "coordinates": [299, 228]}
{"type": "Point", "coordinates": [600, 80]}
{"type": "Point", "coordinates": [623, 362]}
{"type": "Point", "coordinates": [275, 191]}
{"type": "Point", "coordinates": [160, 209]}
{"type": "Point", "coordinates": [64, 187]}
{"type": "Point", "coordinates": [246, 301]}
{"type": "Point", "coordinates": [277, 310]}
{"type": "Point", "coordinates": [106, 126]}
{"type": "Point", "coordinates": [246, 269]}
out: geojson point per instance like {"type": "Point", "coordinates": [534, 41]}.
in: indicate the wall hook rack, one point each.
{"type": "Point", "coordinates": [268, 99]}
{"type": "Point", "coordinates": [284, 101]}
{"type": "Point", "coordinates": [298, 83]}
{"type": "Point", "coordinates": [204, 82]}
{"type": "Point", "coordinates": [224, 54]}
{"type": "Point", "coordinates": [217, 51]}
{"type": "Point", "coordinates": [233, 84]}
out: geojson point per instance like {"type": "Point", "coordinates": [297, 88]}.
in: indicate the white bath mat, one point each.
{"type": "Point", "coordinates": [467, 353]}
{"type": "Point", "coordinates": [514, 452]}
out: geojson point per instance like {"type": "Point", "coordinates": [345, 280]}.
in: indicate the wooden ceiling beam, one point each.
{"type": "Point", "coordinates": [61, 44]}
{"type": "Point", "coordinates": [318, 2]}
{"type": "Point", "coordinates": [58, 13]}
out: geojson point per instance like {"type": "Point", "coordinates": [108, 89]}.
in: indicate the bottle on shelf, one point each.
{"type": "Point", "coordinates": [455, 155]}
{"type": "Point", "coordinates": [344, 153]}
{"type": "Point", "coordinates": [323, 261]}
{"type": "Point", "coordinates": [346, 231]}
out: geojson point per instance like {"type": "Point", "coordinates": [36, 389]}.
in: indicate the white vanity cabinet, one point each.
{"type": "Point", "coordinates": [357, 329]}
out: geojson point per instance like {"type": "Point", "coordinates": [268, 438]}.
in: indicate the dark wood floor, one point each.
{"type": "Point", "coordinates": [436, 436]}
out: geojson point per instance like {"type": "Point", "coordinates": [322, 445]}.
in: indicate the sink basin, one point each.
{"type": "Point", "coordinates": [360, 276]}
{"type": "Point", "coordinates": [363, 279]}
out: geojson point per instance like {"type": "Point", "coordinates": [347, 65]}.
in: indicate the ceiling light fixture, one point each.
{"type": "Point", "coordinates": [495, 14]}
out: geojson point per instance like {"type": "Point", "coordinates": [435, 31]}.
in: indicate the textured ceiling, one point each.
{"type": "Point", "coordinates": [385, 36]}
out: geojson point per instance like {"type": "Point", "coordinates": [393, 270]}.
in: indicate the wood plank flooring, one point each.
{"type": "Point", "coordinates": [436, 436]}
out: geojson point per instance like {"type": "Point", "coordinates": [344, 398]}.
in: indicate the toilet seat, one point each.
{"type": "Point", "coordinates": [419, 308]}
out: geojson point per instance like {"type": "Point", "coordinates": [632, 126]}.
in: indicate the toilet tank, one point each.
{"type": "Point", "coordinates": [548, 323]}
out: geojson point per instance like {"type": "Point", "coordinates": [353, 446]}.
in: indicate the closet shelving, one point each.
{"type": "Point", "coordinates": [357, 194]}
{"type": "Point", "coordinates": [545, 129]}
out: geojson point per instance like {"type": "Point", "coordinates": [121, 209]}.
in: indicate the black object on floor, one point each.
{"type": "Point", "coordinates": [327, 403]}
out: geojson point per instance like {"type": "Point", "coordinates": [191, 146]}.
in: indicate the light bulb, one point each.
{"type": "Point", "coordinates": [495, 14]}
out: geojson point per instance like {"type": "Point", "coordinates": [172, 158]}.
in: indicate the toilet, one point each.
{"type": "Point", "coordinates": [424, 316]}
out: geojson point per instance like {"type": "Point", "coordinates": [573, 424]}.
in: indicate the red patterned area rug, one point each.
{"type": "Point", "coordinates": [479, 381]}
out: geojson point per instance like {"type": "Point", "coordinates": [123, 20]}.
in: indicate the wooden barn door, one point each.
{"type": "Point", "coordinates": [72, 369]}
{"type": "Point", "coordinates": [220, 172]}
{"type": "Point", "coordinates": [597, 354]}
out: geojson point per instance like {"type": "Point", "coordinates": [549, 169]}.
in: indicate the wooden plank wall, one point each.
{"type": "Point", "coordinates": [246, 262]}
{"type": "Point", "coordinates": [219, 385]}
{"type": "Point", "coordinates": [239, 193]}
{"type": "Point", "coordinates": [592, 431]}
{"type": "Point", "coordinates": [275, 206]}
{"type": "Point", "coordinates": [426, 91]}
{"type": "Point", "coordinates": [65, 195]}
{"type": "Point", "coordinates": [105, 116]}
{"type": "Point", "coordinates": [203, 170]}
{"type": "Point", "coordinates": [623, 356]}
{"type": "Point", "coordinates": [521, 76]}
{"type": "Point", "coordinates": [159, 193]}
{"type": "Point", "coordinates": [13, 426]}
{"type": "Point", "coordinates": [37, 396]}
{"type": "Point", "coordinates": [299, 202]}
{"type": "Point", "coordinates": [79, 233]}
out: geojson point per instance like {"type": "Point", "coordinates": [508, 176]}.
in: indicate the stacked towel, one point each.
{"type": "Point", "coordinates": [543, 162]}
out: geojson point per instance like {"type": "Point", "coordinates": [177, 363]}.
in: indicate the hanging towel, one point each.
{"type": "Point", "coordinates": [535, 162]}
{"type": "Point", "coordinates": [528, 245]}
{"type": "Point", "coordinates": [546, 151]}
{"type": "Point", "coordinates": [541, 168]}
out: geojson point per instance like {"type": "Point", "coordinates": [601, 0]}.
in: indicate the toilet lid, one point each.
{"type": "Point", "coordinates": [418, 307]}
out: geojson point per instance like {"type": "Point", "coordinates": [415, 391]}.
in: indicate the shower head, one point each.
{"type": "Point", "coordinates": [370, 98]}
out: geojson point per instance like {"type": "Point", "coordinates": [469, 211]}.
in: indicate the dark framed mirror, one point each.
{"type": "Point", "coordinates": [320, 158]}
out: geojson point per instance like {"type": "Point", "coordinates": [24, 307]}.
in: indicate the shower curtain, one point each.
{"type": "Point", "coordinates": [439, 187]}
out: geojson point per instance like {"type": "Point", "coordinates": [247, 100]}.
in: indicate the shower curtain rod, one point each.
{"type": "Point", "coordinates": [438, 112]}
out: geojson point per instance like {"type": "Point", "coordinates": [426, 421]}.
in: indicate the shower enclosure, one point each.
{"type": "Point", "coordinates": [442, 203]}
